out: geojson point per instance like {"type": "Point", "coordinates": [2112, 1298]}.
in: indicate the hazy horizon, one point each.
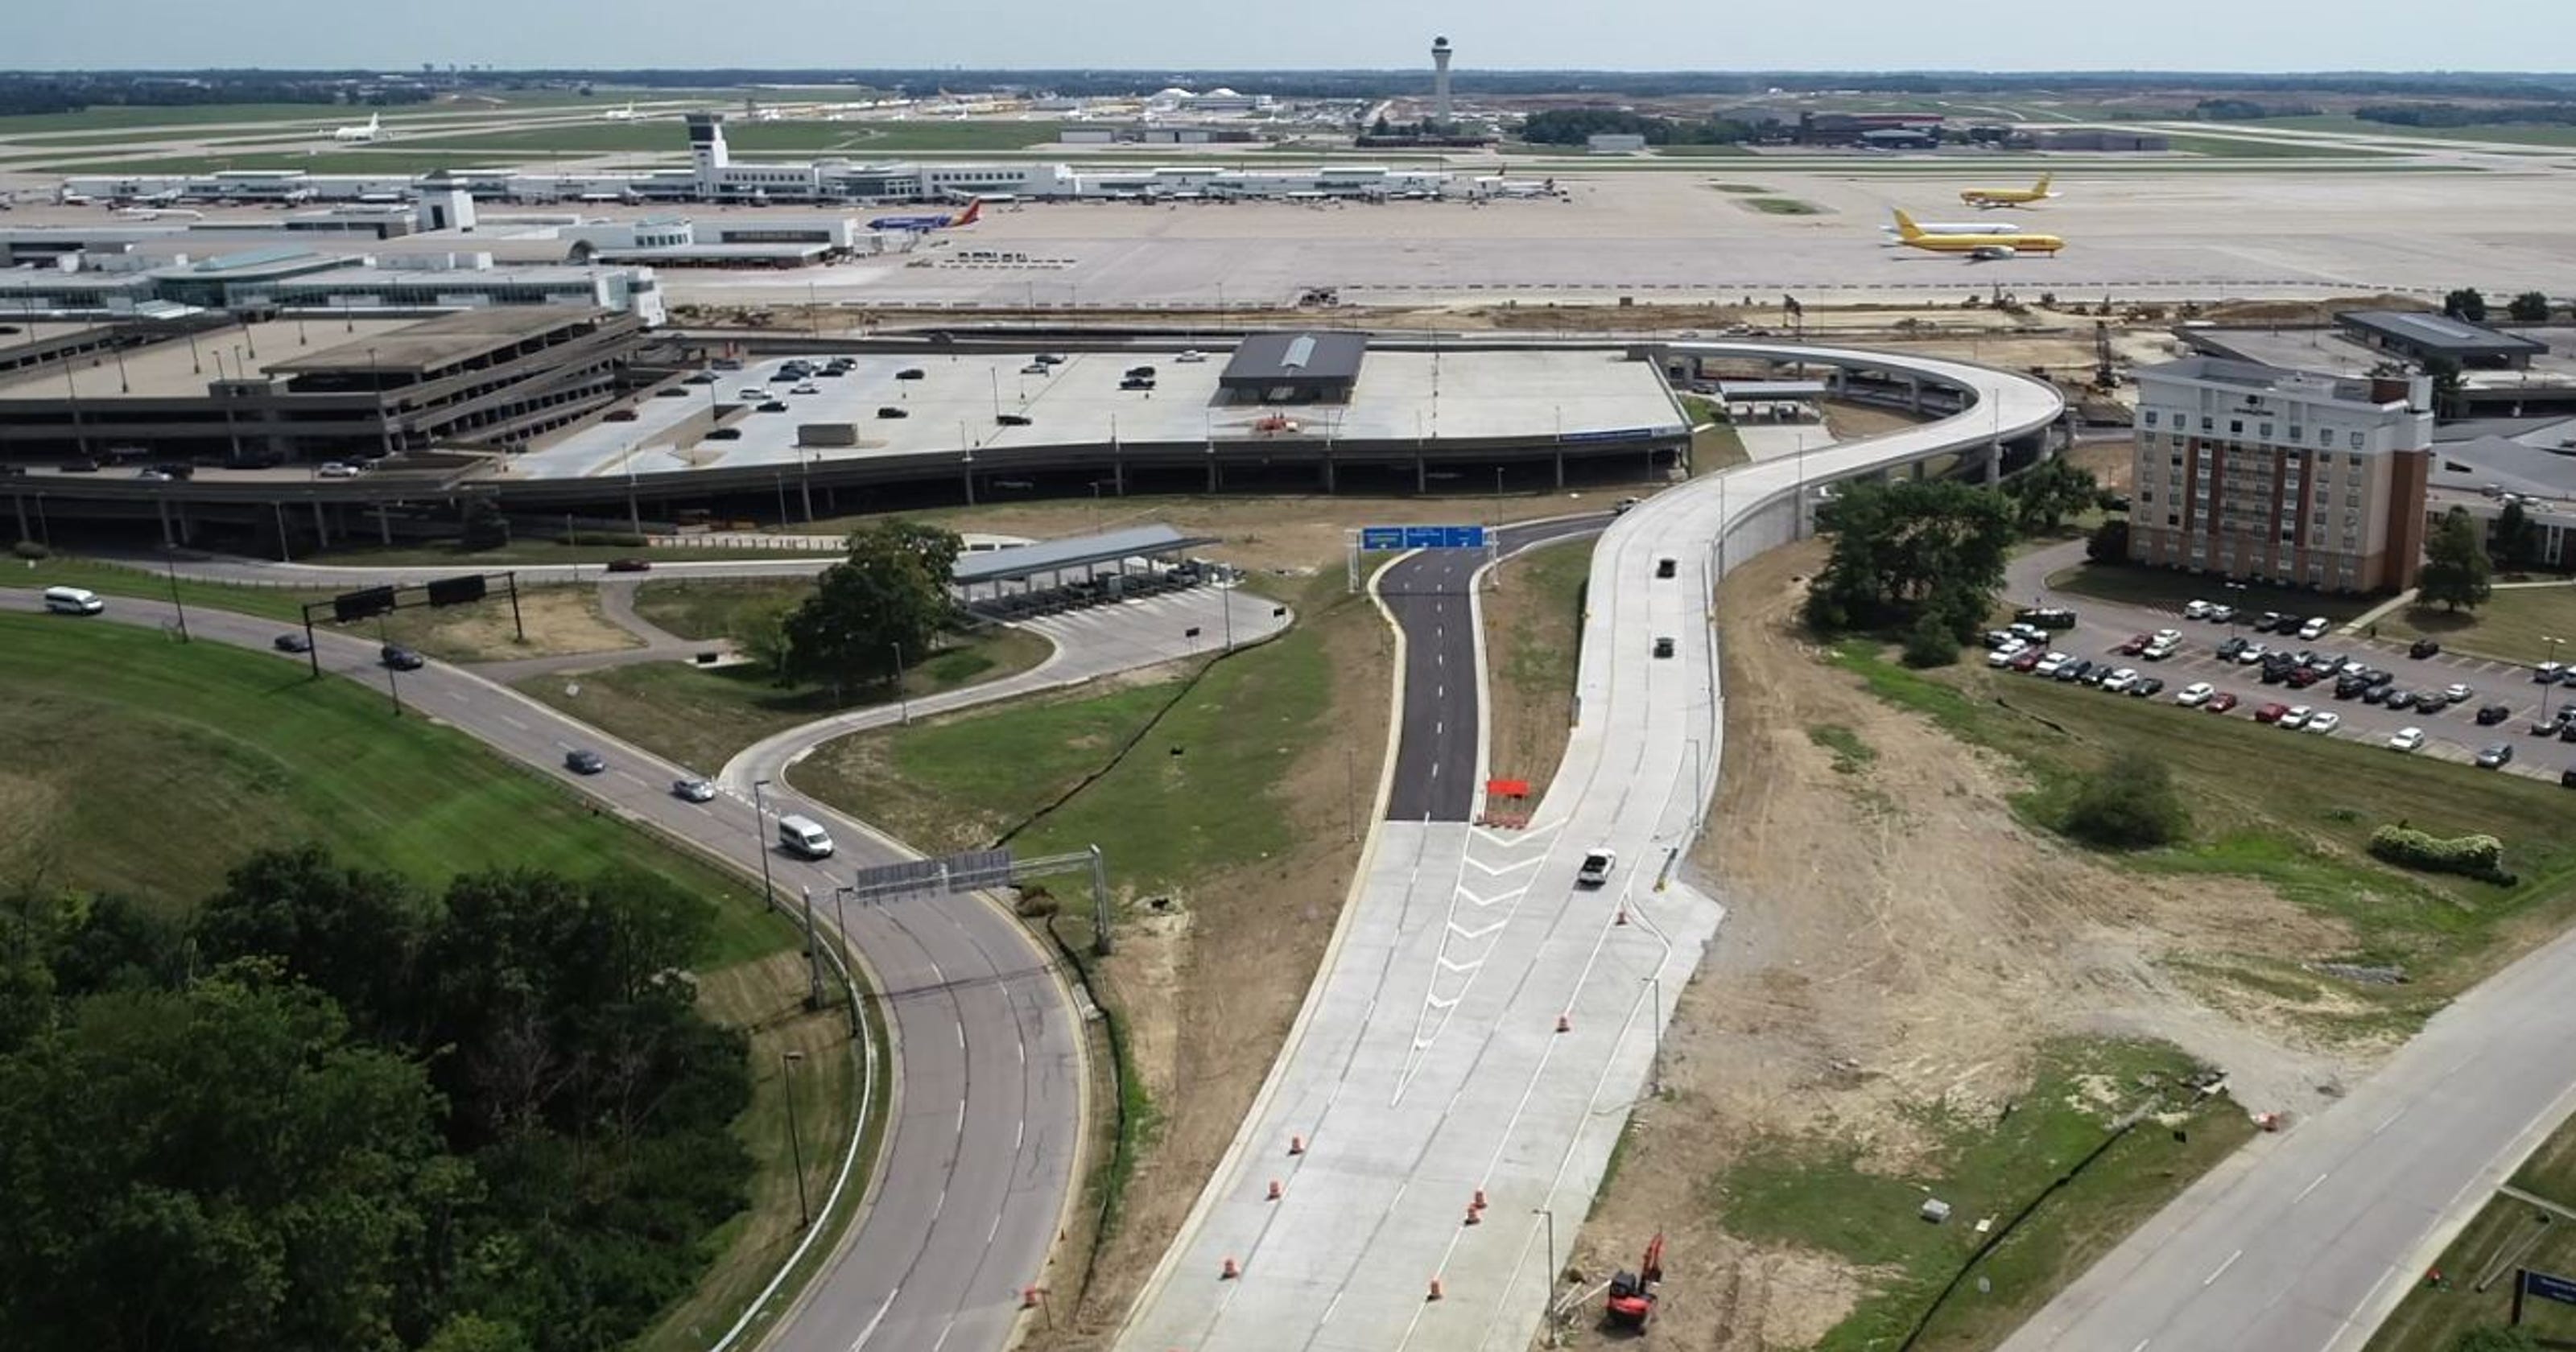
{"type": "Point", "coordinates": [2185, 36]}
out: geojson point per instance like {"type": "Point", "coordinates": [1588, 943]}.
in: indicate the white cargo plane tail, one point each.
{"type": "Point", "coordinates": [371, 129]}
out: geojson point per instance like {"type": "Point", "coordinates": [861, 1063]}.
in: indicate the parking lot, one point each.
{"type": "Point", "coordinates": [2451, 731]}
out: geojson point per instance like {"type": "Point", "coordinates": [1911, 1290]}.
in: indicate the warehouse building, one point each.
{"type": "Point", "coordinates": [2297, 477]}
{"type": "Point", "coordinates": [1294, 368]}
{"type": "Point", "coordinates": [2421, 337]}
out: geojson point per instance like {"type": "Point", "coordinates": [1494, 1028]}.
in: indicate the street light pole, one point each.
{"type": "Point", "coordinates": [1655, 1068]}
{"type": "Point", "coordinates": [760, 840]}
{"type": "Point", "coordinates": [2549, 698]}
{"type": "Point", "coordinates": [902, 700]}
{"type": "Point", "coordinates": [172, 564]}
{"type": "Point", "coordinates": [1548, 1310]}
{"type": "Point", "coordinates": [795, 1145]}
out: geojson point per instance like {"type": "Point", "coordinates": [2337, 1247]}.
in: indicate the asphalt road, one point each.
{"type": "Point", "coordinates": [979, 1159]}
{"type": "Point", "coordinates": [1439, 749]}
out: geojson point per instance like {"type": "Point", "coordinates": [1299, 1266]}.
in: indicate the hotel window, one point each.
{"type": "Point", "coordinates": [2151, 417]}
{"type": "Point", "coordinates": [2265, 431]}
{"type": "Point", "coordinates": [2356, 441]}
{"type": "Point", "coordinates": [2235, 427]}
{"type": "Point", "coordinates": [2325, 436]}
{"type": "Point", "coordinates": [2207, 424]}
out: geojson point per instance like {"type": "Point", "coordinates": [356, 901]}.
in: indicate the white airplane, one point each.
{"type": "Point", "coordinates": [1955, 228]}
{"type": "Point", "coordinates": [370, 130]}
{"type": "Point", "coordinates": [625, 114]}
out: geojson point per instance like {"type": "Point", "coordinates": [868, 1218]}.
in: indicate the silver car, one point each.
{"type": "Point", "coordinates": [693, 790]}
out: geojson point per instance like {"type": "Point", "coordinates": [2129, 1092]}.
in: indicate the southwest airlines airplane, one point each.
{"type": "Point", "coordinates": [2007, 197]}
{"type": "Point", "coordinates": [935, 221]}
{"type": "Point", "coordinates": [1978, 248]}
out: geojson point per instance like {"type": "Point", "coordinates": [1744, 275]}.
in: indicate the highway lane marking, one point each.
{"type": "Point", "coordinates": [944, 1331]}
{"type": "Point", "coordinates": [2390, 1120]}
{"type": "Point", "coordinates": [875, 1319]}
{"type": "Point", "coordinates": [2142, 1345]}
{"type": "Point", "coordinates": [2222, 1268]}
{"type": "Point", "coordinates": [457, 696]}
{"type": "Point", "coordinates": [2303, 1192]}
{"type": "Point", "coordinates": [512, 722]}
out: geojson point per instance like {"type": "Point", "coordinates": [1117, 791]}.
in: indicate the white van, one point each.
{"type": "Point", "coordinates": [73, 601]}
{"type": "Point", "coordinates": [805, 836]}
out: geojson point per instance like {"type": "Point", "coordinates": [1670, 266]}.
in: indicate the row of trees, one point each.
{"type": "Point", "coordinates": [2530, 307]}
{"type": "Point", "coordinates": [332, 1111]}
{"type": "Point", "coordinates": [1574, 126]}
{"type": "Point", "coordinates": [2456, 115]}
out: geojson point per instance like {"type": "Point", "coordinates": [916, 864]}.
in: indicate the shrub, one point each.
{"type": "Point", "coordinates": [29, 549]}
{"type": "Point", "coordinates": [2479, 856]}
{"type": "Point", "coordinates": [1930, 644]}
{"type": "Point", "coordinates": [2129, 804]}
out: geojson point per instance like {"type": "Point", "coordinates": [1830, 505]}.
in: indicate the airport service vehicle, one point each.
{"type": "Point", "coordinates": [937, 220]}
{"type": "Point", "coordinates": [1630, 1300]}
{"type": "Point", "coordinates": [1597, 864]}
{"type": "Point", "coordinates": [584, 762]}
{"type": "Point", "coordinates": [1977, 248]}
{"type": "Point", "coordinates": [693, 790]}
{"type": "Point", "coordinates": [2008, 197]}
{"type": "Point", "coordinates": [2195, 694]}
{"type": "Point", "coordinates": [2323, 721]}
{"type": "Point", "coordinates": [2406, 739]}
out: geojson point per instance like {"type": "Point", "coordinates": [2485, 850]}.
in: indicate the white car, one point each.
{"type": "Point", "coordinates": [2316, 627]}
{"type": "Point", "coordinates": [1188, 355]}
{"type": "Point", "coordinates": [2457, 693]}
{"type": "Point", "coordinates": [2048, 665]}
{"type": "Point", "coordinates": [2297, 717]}
{"type": "Point", "coordinates": [2197, 610]}
{"type": "Point", "coordinates": [2195, 694]}
{"type": "Point", "coordinates": [1597, 864]}
{"type": "Point", "coordinates": [2407, 739]}
{"type": "Point", "coordinates": [2003, 656]}
{"type": "Point", "coordinates": [2118, 682]}
{"type": "Point", "coordinates": [2324, 720]}
{"type": "Point", "coordinates": [2251, 653]}
{"type": "Point", "coordinates": [334, 469]}
{"type": "Point", "coordinates": [2159, 650]}
{"type": "Point", "coordinates": [2166, 636]}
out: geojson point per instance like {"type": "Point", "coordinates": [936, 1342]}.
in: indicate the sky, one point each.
{"type": "Point", "coordinates": [2229, 35]}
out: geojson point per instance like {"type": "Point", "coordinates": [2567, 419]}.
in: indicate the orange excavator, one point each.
{"type": "Point", "coordinates": [1631, 1303]}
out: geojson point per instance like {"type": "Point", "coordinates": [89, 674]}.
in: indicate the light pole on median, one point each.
{"type": "Point", "coordinates": [760, 840]}
{"type": "Point", "coordinates": [1548, 1310]}
{"type": "Point", "coordinates": [903, 701]}
{"type": "Point", "coordinates": [1655, 1068]}
{"type": "Point", "coordinates": [2549, 697]}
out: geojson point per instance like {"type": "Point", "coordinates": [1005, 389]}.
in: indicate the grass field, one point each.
{"type": "Point", "coordinates": [664, 134]}
{"type": "Point", "coordinates": [2252, 148]}
{"type": "Point", "coordinates": [1220, 749]}
{"type": "Point", "coordinates": [1715, 445]}
{"type": "Point", "coordinates": [2166, 589]}
{"type": "Point", "coordinates": [1741, 189]}
{"type": "Point", "coordinates": [1533, 631]}
{"type": "Point", "coordinates": [115, 117]}
{"type": "Point", "coordinates": [322, 162]}
{"type": "Point", "coordinates": [2294, 813]}
{"type": "Point", "coordinates": [2510, 626]}
{"type": "Point", "coordinates": [1813, 1194]}
{"type": "Point", "coordinates": [1698, 152]}
{"type": "Point", "coordinates": [2528, 133]}
{"type": "Point", "coordinates": [1782, 206]}
{"type": "Point", "coordinates": [533, 553]}
{"type": "Point", "coordinates": [703, 609]}
{"type": "Point", "coordinates": [2508, 1233]}
{"type": "Point", "coordinates": [108, 724]}
{"type": "Point", "coordinates": [700, 718]}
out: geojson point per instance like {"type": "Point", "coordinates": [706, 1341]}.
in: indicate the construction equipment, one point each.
{"type": "Point", "coordinates": [1631, 1302]}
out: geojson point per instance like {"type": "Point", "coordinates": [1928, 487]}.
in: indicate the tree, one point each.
{"type": "Point", "coordinates": [891, 592]}
{"type": "Point", "coordinates": [759, 631]}
{"type": "Point", "coordinates": [2517, 536]}
{"type": "Point", "coordinates": [2467, 304]}
{"type": "Point", "coordinates": [1907, 547]}
{"type": "Point", "coordinates": [485, 527]}
{"type": "Point", "coordinates": [2531, 307]}
{"type": "Point", "coordinates": [2044, 495]}
{"type": "Point", "coordinates": [2456, 570]}
{"type": "Point", "coordinates": [355, 935]}
{"type": "Point", "coordinates": [1930, 643]}
{"type": "Point", "coordinates": [2109, 542]}
{"type": "Point", "coordinates": [2128, 804]}
{"type": "Point", "coordinates": [2445, 374]}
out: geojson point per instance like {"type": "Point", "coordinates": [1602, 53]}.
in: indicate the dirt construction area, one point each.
{"type": "Point", "coordinates": [1898, 948]}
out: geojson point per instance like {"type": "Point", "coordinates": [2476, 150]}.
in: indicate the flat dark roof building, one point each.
{"type": "Point", "coordinates": [1294, 368]}
{"type": "Point", "coordinates": [2431, 335]}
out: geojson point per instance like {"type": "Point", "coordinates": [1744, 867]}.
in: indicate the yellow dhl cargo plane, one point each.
{"type": "Point", "coordinates": [1978, 248]}
{"type": "Point", "coordinates": [2008, 197]}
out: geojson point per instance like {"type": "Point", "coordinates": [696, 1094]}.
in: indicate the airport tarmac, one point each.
{"type": "Point", "coordinates": [953, 406]}
{"type": "Point", "coordinates": [1669, 236]}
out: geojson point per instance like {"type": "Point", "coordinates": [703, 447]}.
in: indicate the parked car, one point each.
{"type": "Point", "coordinates": [2268, 621]}
{"type": "Point", "coordinates": [582, 762]}
{"type": "Point", "coordinates": [724, 434]}
{"type": "Point", "coordinates": [2003, 657]}
{"type": "Point", "coordinates": [2491, 714]}
{"type": "Point", "coordinates": [2457, 693]}
{"type": "Point", "coordinates": [292, 643]}
{"type": "Point", "coordinates": [2119, 681]}
{"type": "Point", "coordinates": [2567, 731]}
{"type": "Point", "coordinates": [2075, 671]}
{"type": "Point", "coordinates": [2271, 713]}
{"type": "Point", "coordinates": [2349, 687]}
{"type": "Point", "coordinates": [2316, 627]}
{"type": "Point", "coordinates": [2220, 703]}
{"type": "Point", "coordinates": [916, 373]}
{"type": "Point", "coordinates": [2423, 648]}
{"type": "Point", "coordinates": [2567, 778]}
{"type": "Point", "coordinates": [2148, 687]}
{"type": "Point", "coordinates": [2194, 695]}
{"type": "Point", "coordinates": [2028, 659]}
{"type": "Point", "coordinates": [2548, 724]}
{"type": "Point", "coordinates": [773, 406]}
{"type": "Point", "coordinates": [2406, 739]}
{"type": "Point", "coordinates": [2221, 614]}
{"type": "Point", "coordinates": [2495, 756]}
{"type": "Point", "coordinates": [2323, 720]}
{"type": "Point", "coordinates": [2196, 610]}
{"type": "Point", "coordinates": [2228, 649]}
{"type": "Point", "coordinates": [693, 790]}
{"type": "Point", "coordinates": [2251, 653]}
{"type": "Point", "coordinates": [400, 658]}
{"type": "Point", "coordinates": [890, 411]}
{"type": "Point", "coordinates": [1663, 647]}
{"type": "Point", "coordinates": [2399, 699]}
{"type": "Point", "coordinates": [2545, 673]}
{"type": "Point", "coordinates": [2131, 646]}
{"type": "Point", "coordinates": [2296, 717]}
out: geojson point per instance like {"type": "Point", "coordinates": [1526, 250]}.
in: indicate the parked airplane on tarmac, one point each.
{"type": "Point", "coordinates": [373, 129]}
{"type": "Point", "coordinates": [1956, 228]}
{"type": "Point", "coordinates": [935, 221]}
{"type": "Point", "coordinates": [2008, 197]}
{"type": "Point", "coordinates": [1978, 248]}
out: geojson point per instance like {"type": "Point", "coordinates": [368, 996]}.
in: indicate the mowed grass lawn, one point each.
{"type": "Point", "coordinates": [134, 763]}
{"type": "Point", "coordinates": [1197, 793]}
{"type": "Point", "coordinates": [2510, 626]}
{"type": "Point", "coordinates": [701, 608]}
{"type": "Point", "coordinates": [2291, 811]}
{"type": "Point", "coordinates": [700, 717]}
{"type": "Point", "coordinates": [1815, 1194]}
{"type": "Point", "coordinates": [116, 579]}
{"type": "Point", "coordinates": [2506, 1234]}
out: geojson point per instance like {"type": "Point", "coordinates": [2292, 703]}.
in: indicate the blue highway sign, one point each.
{"type": "Point", "coordinates": [1422, 537]}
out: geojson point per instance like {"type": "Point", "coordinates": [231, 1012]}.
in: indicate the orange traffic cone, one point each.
{"type": "Point", "coordinates": [1230, 1271]}
{"type": "Point", "coordinates": [1564, 1023]}
{"type": "Point", "coordinates": [1435, 1290]}
{"type": "Point", "coordinates": [1028, 1298]}
{"type": "Point", "coordinates": [1296, 1145]}
{"type": "Point", "coordinates": [1274, 1190]}
{"type": "Point", "coordinates": [1473, 1218]}
{"type": "Point", "coordinates": [1623, 916]}
{"type": "Point", "coordinates": [1479, 1203]}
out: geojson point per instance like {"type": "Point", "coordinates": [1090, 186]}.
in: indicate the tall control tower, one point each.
{"type": "Point", "coordinates": [1440, 82]}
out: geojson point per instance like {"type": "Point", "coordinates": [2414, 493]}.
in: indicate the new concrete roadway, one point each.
{"type": "Point", "coordinates": [1481, 1024]}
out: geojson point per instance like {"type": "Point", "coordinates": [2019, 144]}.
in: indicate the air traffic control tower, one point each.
{"type": "Point", "coordinates": [707, 153]}
{"type": "Point", "coordinates": [1440, 82]}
